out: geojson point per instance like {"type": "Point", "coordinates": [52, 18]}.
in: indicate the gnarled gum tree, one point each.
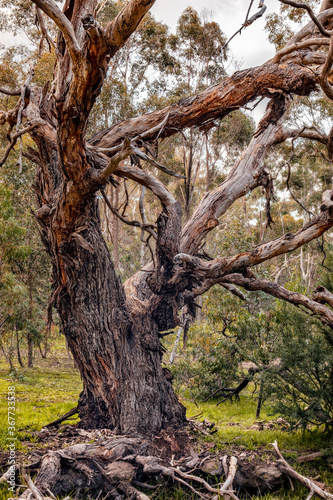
{"type": "Point", "coordinates": [112, 328]}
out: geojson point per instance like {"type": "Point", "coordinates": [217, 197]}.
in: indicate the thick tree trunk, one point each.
{"type": "Point", "coordinates": [118, 356]}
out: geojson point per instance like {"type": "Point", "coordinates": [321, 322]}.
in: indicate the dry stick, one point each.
{"type": "Point", "coordinates": [196, 479]}
{"type": "Point", "coordinates": [32, 487]}
{"type": "Point", "coordinates": [248, 21]}
{"type": "Point", "coordinates": [146, 227]}
{"type": "Point", "coordinates": [208, 486]}
{"type": "Point", "coordinates": [71, 412]}
{"type": "Point", "coordinates": [231, 475]}
{"type": "Point", "coordinates": [14, 139]}
{"type": "Point", "coordinates": [289, 471]}
{"type": "Point", "coordinates": [310, 457]}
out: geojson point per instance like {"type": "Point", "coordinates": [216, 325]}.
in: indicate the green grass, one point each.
{"type": "Point", "coordinates": [43, 393]}
{"type": "Point", "coordinates": [51, 388]}
{"type": "Point", "coordinates": [242, 412]}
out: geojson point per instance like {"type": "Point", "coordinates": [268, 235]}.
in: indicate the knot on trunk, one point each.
{"type": "Point", "coordinates": [327, 200]}
{"type": "Point", "coordinates": [88, 22]}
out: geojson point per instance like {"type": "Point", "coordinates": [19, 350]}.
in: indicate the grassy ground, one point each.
{"type": "Point", "coordinates": [51, 388]}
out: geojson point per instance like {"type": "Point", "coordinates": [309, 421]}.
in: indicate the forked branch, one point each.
{"type": "Point", "coordinates": [51, 9]}
{"type": "Point", "coordinates": [314, 18]}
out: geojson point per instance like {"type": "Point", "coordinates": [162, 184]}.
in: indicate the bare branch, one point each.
{"type": "Point", "coordinates": [10, 92]}
{"type": "Point", "coordinates": [211, 272]}
{"type": "Point", "coordinates": [121, 28]}
{"type": "Point", "coordinates": [52, 10]}
{"type": "Point", "coordinates": [45, 36]}
{"type": "Point", "coordinates": [323, 296]}
{"type": "Point", "coordinates": [282, 293]}
{"type": "Point", "coordinates": [248, 21]}
{"type": "Point", "coordinates": [144, 226]}
{"type": "Point", "coordinates": [19, 134]}
{"type": "Point", "coordinates": [234, 290]}
{"type": "Point", "coordinates": [314, 18]}
{"type": "Point", "coordinates": [215, 102]}
{"type": "Point", "coordinates": [146, 179]}
{"type": "Point", "coordinates": [298, 46]}
{"type": "Point", "coordinates": [101, 176]}
{"type": "Point", "coordinates": [312, 486]}
{"type": "Point", "coordinates": [164, 169]}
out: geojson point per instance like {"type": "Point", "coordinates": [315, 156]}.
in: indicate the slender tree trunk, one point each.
{"type": "Point", "coordinates": [30, 351]}
{"type": "Point", "coordinates": [260, 399]}
{"type": "Point", "coordinates": [18, 346]}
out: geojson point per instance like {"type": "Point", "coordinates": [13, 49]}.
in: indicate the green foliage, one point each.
{"type": "Point", "coordinates": [301, 385]}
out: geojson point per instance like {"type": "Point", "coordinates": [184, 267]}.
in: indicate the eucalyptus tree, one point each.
{"type": "Point", "coordinates": [114, 329]}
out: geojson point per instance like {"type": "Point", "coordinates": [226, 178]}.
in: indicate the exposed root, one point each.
{"type": "Point", "coordinates": [119, 467]}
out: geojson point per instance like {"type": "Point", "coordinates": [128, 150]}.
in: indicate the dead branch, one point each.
{"type": "Point", "coordinates": [280, 292]}
{"type": "Point", "coordinates": [148, 180]}
{"type": "Point", "coordinates": [17, 135]}
{"type": "Point", "coordinates": [244, 383]}
{"type": "Point", "coordinates": [310, 457]}
{"type": "Point", "coordinates": [45, 36]}
{"type": "Point", "coordinates": [298, 46]}
{"type": "Point", "coordinates": [126, 22]}
{"type": "Point", "coordinates": [36, 493]}
{"type": "Point", "coordinates": [231, 476]}
{"type": "Point", "coordinates": [322, 295]}
{"type": "Point", "coordinates": [210, 273]}
{"type": "Point", "coordinates": [234, 290]}
{"type": "Point", "coordinates": [52, 10]}
{"type": "Point", "coordinates": [10, 92]}
{"type": "Point", "coordinates": [164, 169]}
{"type": "Point", "coordinates": [248, 21]}
{"type": "Point", "coordinates": [57, 422]}
{"type": "Point", "coordinates": [289, 471]}
{"type": "Point", "coordinates": [145, 227]}
{"type": "Point", "coordinates": [314, 18]}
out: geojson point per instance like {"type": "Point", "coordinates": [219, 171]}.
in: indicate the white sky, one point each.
{"type": "Point", "coordinates": [251, 48]}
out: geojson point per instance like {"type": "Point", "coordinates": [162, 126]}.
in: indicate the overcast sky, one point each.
{"type": "Point", "coordinates": [251, 48]}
